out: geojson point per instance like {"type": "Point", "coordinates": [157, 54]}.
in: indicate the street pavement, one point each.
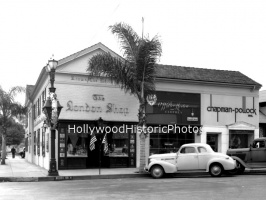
{"type": "Point", "coordinates": [20, 170]}
{"type": "Point", "coordinates": [244, 187]}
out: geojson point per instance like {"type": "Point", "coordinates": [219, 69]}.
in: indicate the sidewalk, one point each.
{"type": "Point", "coordinates": [20, 170]}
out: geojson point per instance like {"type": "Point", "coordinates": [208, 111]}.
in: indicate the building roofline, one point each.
{"type": "Point", "coordinates": [239, 85]}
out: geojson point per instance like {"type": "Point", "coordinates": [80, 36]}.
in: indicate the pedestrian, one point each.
{"type": "Point", "coordinates": [13, 151]}
{"type": "Point", "coordinates": [22, 153]}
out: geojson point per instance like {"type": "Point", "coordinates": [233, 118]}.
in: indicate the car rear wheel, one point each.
{"type": "Point", "coordinates": [216, 170]}
{"type": "Point", "coordinates": [157, 171]}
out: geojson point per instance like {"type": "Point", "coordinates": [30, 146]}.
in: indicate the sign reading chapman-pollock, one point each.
{"type": "Point", "coordinates": [231, 110]}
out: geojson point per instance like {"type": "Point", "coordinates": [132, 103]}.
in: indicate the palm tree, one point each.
{"type": "Point", "coordinates": [135, 73]}
{"type": "Point", "coordinates": [8, 110]}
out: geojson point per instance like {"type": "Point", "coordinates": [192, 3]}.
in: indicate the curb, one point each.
{"type": "Point", "coordinates": [254, 171]}
{"type": "Point", "coordinates": [62, 178]}
{"type": "Point", "coordinates": [115, 176]}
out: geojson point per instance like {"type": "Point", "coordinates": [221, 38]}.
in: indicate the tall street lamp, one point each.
{"type": "Point", "coordinates": [52, 109]}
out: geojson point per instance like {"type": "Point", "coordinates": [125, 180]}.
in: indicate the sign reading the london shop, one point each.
{"type": "Point", "coordinates": [107, 108]}
{"type": "Point", "coordinates": [230, 110]}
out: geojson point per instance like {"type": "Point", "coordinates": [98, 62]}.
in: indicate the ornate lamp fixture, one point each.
{"type": "Point", "coordinates": [52, 109]}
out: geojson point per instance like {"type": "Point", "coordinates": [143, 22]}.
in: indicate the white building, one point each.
{"type": "Point", "coordinates": [224, 104]}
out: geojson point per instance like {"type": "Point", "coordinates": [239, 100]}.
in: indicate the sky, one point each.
{"type": "Point", "coordinates": [214, 34]}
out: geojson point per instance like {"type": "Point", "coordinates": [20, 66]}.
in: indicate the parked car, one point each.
{"type": "Point", "coordinates": [252, 157]}
{"type": "Point", "coordinates": [194, 157]}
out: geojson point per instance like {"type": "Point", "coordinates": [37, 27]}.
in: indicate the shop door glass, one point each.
{"type": "Point", "coordinates": [212, 140]}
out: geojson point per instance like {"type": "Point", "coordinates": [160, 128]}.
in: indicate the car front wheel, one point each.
{"type": "Point", "coordinates": [157, 171]}
{"type": "Point", "coordinates": [216, 170]}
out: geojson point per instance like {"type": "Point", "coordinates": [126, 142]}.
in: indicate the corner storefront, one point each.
{"type": "Point", "coordinates": [80, 117]}
{"type": "Point", "coordinates": [86, 100]}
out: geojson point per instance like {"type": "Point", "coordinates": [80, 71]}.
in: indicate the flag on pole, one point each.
{"type": "Point", "coordinates": [92, 142]}
{"type": "Point", "coordinates": [105, 144]}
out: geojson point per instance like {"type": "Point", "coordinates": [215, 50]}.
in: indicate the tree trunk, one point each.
{"type": "Point", "coordinates": [3, 154]}
{"type": "Point", "coordinates": [142, 152]}
{"type": "Point", "coordinates": [143, 135]}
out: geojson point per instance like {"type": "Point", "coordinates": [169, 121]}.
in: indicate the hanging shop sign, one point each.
{"type": "Point", "coordinates": [192, 119]}
{"type": "Point", "coordinates": [39, 120]}
{"type": "Point", "coordinates": [151, 99]}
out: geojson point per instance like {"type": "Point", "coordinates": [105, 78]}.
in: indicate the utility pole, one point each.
{"type": "Point", "coordinates": [142, 26]}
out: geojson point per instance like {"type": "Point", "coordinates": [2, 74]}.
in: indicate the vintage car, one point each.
{"type": "Point", "coordinates": [252, 157]}
{"type": "Point", "coordinates": [194, 157]}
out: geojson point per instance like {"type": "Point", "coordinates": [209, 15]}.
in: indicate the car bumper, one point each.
{"type": "Point", "coordinates": [230, 165]}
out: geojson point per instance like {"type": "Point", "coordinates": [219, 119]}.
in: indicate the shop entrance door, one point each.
{"type": "Point", "coordinates": [212, 140]}
{"type": "Point", "coordinates": [94, 156]}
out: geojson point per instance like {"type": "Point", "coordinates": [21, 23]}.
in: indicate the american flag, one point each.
{"type": "Point", "coordinates": [93, 140]}
{"type": "Point", "coordinates": [105, 144]}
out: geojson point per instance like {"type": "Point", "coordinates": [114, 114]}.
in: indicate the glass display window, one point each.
{"type": "Point", "coordinates": [168, 142]}
{"type": "Point", "coordinates": [119, 144]}
{"type": "Point", "coordinates": [77, 145]}
{"type": "Point", "coordinates": [240, 138]}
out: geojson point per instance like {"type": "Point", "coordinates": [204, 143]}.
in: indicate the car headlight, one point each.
{"type": "Point", "coordinates": [149, 161]}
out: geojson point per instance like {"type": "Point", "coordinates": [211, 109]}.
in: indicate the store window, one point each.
{"type": "Point", "coordinates": [38, 142]}
{"type": "Point", "coordinates": [77, 145]}
{"type": "Point", "coordinates": [240, 138]}
{"type": "Point", "coordinates": [43, 143]}
{"type": "Point", "coordinates": [169, 142]}
{"type": "Point", "coordinates": [119, 144]}
{"type": "Point", "coordinates": [34, 142]}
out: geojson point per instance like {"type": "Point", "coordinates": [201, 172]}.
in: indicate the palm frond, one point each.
{"type": "Point", "coordinates": [17, 109]}
{"type": "Point", "coordinates": [119, 71]}
{"type": "Point", "coordinates": [129, 40]}
{"type": "Point", "coordinates": [15, 90]}
{"type": "Point", "coordinates": [149, 53]}
{"type": "Point", "coordinates": [138, 67]}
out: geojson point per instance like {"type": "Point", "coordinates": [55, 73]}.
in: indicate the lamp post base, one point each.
{"type": "Point", "coordinates": [53, 171]}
